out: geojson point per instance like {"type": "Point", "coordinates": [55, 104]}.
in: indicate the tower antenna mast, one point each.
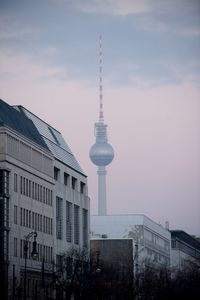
{"type": "Point", "coordinates": [101, 117]}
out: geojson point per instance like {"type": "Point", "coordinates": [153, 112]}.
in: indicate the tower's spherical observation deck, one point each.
{"type": "Point", "coordinates": [101, 154]}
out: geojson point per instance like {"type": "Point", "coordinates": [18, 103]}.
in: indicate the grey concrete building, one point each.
{"type": "Point", "coordinates": [43, 199]}
{"type": "Point", "coordinates": [185, 250]}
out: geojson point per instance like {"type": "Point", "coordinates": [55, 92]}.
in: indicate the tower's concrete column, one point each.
{"type": "Point", "coordinates": [102, 209]}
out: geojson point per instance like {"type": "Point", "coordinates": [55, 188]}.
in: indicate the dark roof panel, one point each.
{"type": "Point", "coordinates": [185, 237]}
{"type": "Point", "coordinates": [18, 121]}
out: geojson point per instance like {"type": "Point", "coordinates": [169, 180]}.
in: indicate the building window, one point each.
{"type": "Point", "coordinates": [15, 247]}
{"type": "Point", "coordinates": [59, 210]}
{"type": "Point", "coordinates": [21, 189]}
{"type": "Point", "coordinates": [15, 183]}
{"type": "Point", "coordinates": [74, 183]}
{"type": "Point", "coordinates": [66, 178]}
{"type": "Point", "coordinates": [27, 187]}
{"type": "Point", "coordinates": [85, 227]}
{"type": "Point", "coordinates": [4, 182]}
{"type": "Point", "coordinates": [15, 214]}
{"type": "Point", "coordinates": [59, 263]}
{"type": "Point", "coordinates": [51, 198]}
{"type": "Point", "coordinates": [68, 222]}
{"type": "Point", "coordinates": [82, 187]}
{"type": "Point", "coordinates": [76, 224]}
{"type": "Point", "coordinates": [56, 173]}
{"type": "Point", "coordinates": [24, 185]}
{"type": "Point", "coordinates": [173, 243]}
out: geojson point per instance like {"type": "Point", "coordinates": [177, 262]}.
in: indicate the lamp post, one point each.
{"type": "Point", "coordinates": [34, 254]}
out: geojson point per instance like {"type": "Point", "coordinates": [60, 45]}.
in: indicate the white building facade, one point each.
{"type": "Point", "coordinates": [43, 195]}
{"type": "Point", "coordinates": [151, 241]}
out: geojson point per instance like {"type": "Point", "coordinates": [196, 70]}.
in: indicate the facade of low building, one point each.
{"type": "Point", "coordinates": [112, 261]}
{"type": "Point", "coordinates": [43, 198]}
{"type": "Point", "coordinates": [151, 241]}
{"type": "Point", "coordinates": [185, 251]}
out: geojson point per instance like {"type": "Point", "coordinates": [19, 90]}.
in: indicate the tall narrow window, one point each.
{"type": "Point", "coordinates": [68, 221]}
{"type": "Point", "coordinates": [85, 227]}
{"type": "Point", "coordinates": [15, 183]}
{"type": "Point", "coordinates": [82, 187]}
{"type": "Point", "coordinates": [21, 184]}
{"type": "Point", "coordinates": [66, 178]}
{"type": "Point", "coordinates": [56, 173]}
{"type": "Point", "coordinates": [15, 214]}
{"type": "Point", "coordinates": [74, 183]}
{"type": "Point", "coordinates": [4, 182]}
{"type": "Point", "coordinates": [15, 247]}
{"type": "Point", "coordinates": [24, 186]}
{"type": "Point", "coordinates": [76, 224]}
{"type": "Point", "coordinates": [59, 209]}
{"type": "Point", "coordinates": [33, 190]}
{"type": "Point", "coordinates": [29, 188]}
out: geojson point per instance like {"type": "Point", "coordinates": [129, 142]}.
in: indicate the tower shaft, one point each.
{"type": "Point", "coordinates": [102, 209]}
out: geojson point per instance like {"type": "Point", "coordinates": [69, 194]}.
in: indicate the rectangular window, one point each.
{"type": "Point", "coordinates": [36, 191]}
{"type": "Point", "coordinates": [82, 187]}
{"type": "Point", "coordinates": [41, 223]}
{"type": "Point", "coordinates": [48, 196]}
{"type": "Point", "coordinates": [24, 185]}
{"type": "Point", "coordinates": [51, 197]}
{"type": "Point", "coordinates": [76, 224]}
{"type": "Point", "coordinates": [44, 200]}
{"type": "Point", "coordinates": [24, 217]}
{"type": "Point", "coordinates": [40, 193]}
{"type": "Point", "coordinates": [21, 249]}
{"type": "Point", "coordinates": [68, 221]}
{"type": "Point", "coordinates": [15, 214]}
{"type": "Point", "coordinates": [15, 247]}
{"type": "Point", "coordinates": [85, 227]}
{"type": "Point", "coordinates": [33, 190]}
{"type": "Point", "coordinates": [4, 182]}
{"type": "Point", "coordinates": [21, 216]}
{"type": "Point", "coordinates": [44, 228]}
{"type": "Point", "coordinates": [33, 220]}
{"type": "Point", "coordinates": [29, 189]}
{"type": "Point", "coordinates": [36, 221]}
{"type": "Point", "coordinates": [15, 183]}
{"type": "Point", "coordinates": [21, 184]}
{"type": "Point", "coordinates": [59, 263]}
{"type": "Point", "coordinates": [29, 219]}
{"type": "Point", "coordinates": [51, 228]}
{"type": "Point", "coordinates": [66, 178]}
{"type": "Point", "coordinates": [59, 210]}
{"type": "Point", "coordinates": [56, 173]}
{"type": "Point", "coordinates": [74, 183]}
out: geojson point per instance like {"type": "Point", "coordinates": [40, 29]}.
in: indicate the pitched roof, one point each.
{"type": "Point", "coordinates": [54, 141]}
{"type": "Point", "coordinates": [29, 125]}
{"type": "Point", "coordinates": [14, 119]}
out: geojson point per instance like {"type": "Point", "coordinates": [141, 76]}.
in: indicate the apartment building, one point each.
{"type": "Point", "coordinates": [44, 204]}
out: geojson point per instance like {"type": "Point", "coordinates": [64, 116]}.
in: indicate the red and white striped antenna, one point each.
{"type": "Point", "coordinates": [101, 117]}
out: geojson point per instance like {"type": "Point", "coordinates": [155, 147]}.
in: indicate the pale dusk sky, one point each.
{"type": "Point", "coordinates": [151, 78]}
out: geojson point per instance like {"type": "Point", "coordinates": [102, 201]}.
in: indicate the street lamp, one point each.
{"type": "Point", "coordinates": [34, 254]}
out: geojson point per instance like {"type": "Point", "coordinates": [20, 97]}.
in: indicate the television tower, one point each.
{"type": "Point", "coordinates": [101, 153]}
